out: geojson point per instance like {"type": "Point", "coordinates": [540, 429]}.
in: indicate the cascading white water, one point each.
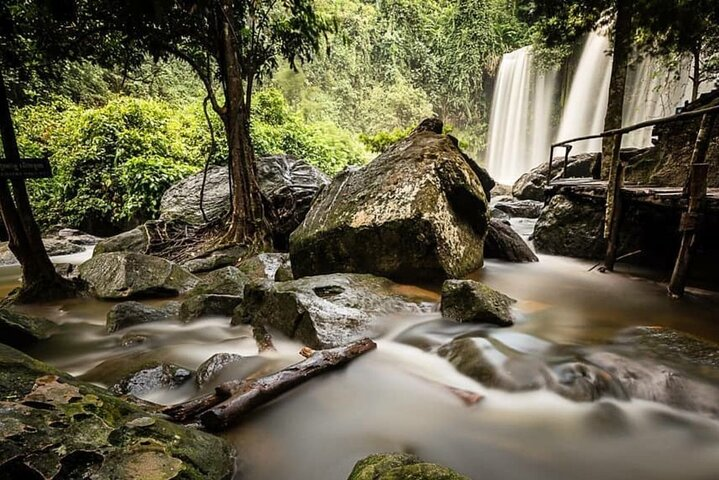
{"type": "Point", "coordinates": [586, 105]}
{"type": "Point", "coordinates": [519, 134]}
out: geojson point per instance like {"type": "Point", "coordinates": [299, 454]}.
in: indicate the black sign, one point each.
{"type": "Point", "coordinates": [27, 168]}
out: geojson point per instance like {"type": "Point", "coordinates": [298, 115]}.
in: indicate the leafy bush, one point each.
{"type": "Point", "coordinates": [381, 141]}
{"type": "Point", "coordinates": [111, 163]}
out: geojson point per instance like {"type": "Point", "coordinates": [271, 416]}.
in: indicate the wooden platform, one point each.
{"type": "Point", "coordinates": [671, 197]}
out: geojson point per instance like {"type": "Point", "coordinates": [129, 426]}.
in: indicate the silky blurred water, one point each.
{"type": "Point", "coordinates": [394, 399]}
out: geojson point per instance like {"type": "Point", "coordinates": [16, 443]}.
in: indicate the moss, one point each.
{"type": "Point", "coordinates": [53, 423]}
{"type": "Point", "coordinates": [400, 466]}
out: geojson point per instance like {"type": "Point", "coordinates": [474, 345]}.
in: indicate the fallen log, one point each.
{"type": "Point", "coordinates": [233, 399]}
{"type": "Point", "coordinates": [247, 395]}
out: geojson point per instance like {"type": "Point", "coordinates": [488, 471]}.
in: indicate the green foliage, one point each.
{"type": "Point", "coordinates": [381, 141]}
{"type": "Point", "coordinates": [111, 163]}
{"type": "Point", "coordinates": [277, 129]}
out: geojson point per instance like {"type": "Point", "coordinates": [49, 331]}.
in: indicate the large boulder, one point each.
{"type": "Point", "coordinates": [324, 311]}
{"type": "Point", "coordinates": [19, 330]}
{"type": "Point", "coordinates": [400, 466]}
{"type": "Point", "coordinates": [504, 243]}
{"type": "Point", "coordinates": [531, 185]}
{"type": "Point", "coordinates": [416, 212]}
{"type": "Point", "coordinates": [208, 304]}
{"type": "Point", "coordinates": [213, 365]}
{"type": "Point", "coordinates": [475, 302]}
{"type": "Point", "coordinates": [288, 187]}
{"type": "Point", "coordinates": [54, 426]}
{"type": "Point", "coordinates": [135, 240]}
{"type": "Point", "coordinates": [120, 275]}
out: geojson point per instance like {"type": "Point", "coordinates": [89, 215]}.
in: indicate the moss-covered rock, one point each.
{"type": "Point", "coordinates": [122, 275]}
{"type": "Point", "coordinates": [18, 330]}
{"type": "Point", "coordinates": [53, 426]}
{"type": "Point", "coordinates": [418, 211]}
{"type": "Point", "coordinates": [225, 281]}
{"type": "Point", "coordinates": [470, 301]}
{"type": "Point", "coordinates": [400, 466]}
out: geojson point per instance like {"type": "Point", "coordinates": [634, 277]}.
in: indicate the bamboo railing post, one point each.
{"type": "Point", "coordinates": [697, 190]}
{"type": "Point", "coordinates": [613, 211]}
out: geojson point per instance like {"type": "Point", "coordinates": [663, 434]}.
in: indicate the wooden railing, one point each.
{"type": "Point", "coordinates": [696, 187]}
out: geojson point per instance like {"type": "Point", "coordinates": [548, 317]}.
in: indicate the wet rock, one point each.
{"type": "Point", "coordinates": [323, 311]}
{"type": "Point", "coordinates": [212, 366]}
{"type": "Point", "coordinates": [215, 260]}
{"type": "Point", "coordinates": [520, 208]}
{"type": "Point", "coordinates": [470, 301]}
{"type": "Point", "coordinates": [658, 383]}
{"type": "Point", "coordinates": [135, 240]}
{"type": "Point", "coordinates": [208, 304]}
{"type": "Point", "coordinates": [504, 243]}
{"type": "Point", "coordinates": [138, 376]}
{"type": "Point", "coordinates": [130, 340]}
{"type": "Point", "coordinates": [100, 435]}
{"type": "Point", "coordinates": [54, 247]}
{"type": "Point", "coordinates": [478, 359]}
{"type": "Point", "coordinates": [78, 237]}
{"type": "Point", "coordinates": [288, 187]}
{"type": "Point", "coordinates": [418, 211]}
{"type": "Point", "coordinates": [19, 330]}
{"type": "Point", "coordinates": [500, 190]}
{"type": "Point", "coordinates": [571, 226]}
{"type": "Point", "coordinates": [666, 343]}
{"type": "Point", "coordinates": [225, 281]}
{"type": "Point", "coordinates": [583, 382]}
{"type": "Point", "coordinates": [264, 266]}
{"type": "Point", "coordinates": [497, 214]}
{"type": "Point", "coordinates": [127, 314]}
{"type": "Point", "coordinates": [531, 185]}
{"type": "Point", "coordinates": [121, 275]}
{"type": "Point", "coordinates": [400, 466]}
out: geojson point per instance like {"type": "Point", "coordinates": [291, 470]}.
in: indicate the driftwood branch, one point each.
{"type": "Point", "coordinates": [246, 395]}
{"type": "Point", "coordinates": [235, 398]}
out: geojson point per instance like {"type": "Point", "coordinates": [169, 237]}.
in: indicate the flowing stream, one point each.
{"type": "Point", "coordinates": [393, 399]}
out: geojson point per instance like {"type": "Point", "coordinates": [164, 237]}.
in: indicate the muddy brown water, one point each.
{"type": "Point", "coordinates": [390, 400]}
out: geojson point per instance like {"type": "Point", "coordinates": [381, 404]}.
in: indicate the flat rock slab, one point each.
{"type": "Point", "coordinates": [121, 275]}
{"type": "Point", "coordinates": [55, 247]}
{"type": "Point", "coordinates": [19, 330]}
{"type": "Point", "coordinates": [324, 311]}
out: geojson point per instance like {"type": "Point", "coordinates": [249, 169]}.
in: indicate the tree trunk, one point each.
{"type": "Point", "coordinates": [247, 222]}
{"type": "Point", "coordinates": [618, 80]}
{"type": "Point", "coordinates": [696, 71]}
{"type": "Point", "coordinates": [40, 280]}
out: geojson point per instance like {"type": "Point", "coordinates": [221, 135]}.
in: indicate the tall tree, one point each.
{"type": "Point", "coordinates": [28, 47]}
{"type": "Point", "coordinates": [231, 45]}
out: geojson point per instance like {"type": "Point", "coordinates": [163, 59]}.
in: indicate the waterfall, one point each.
{"type": "Point", "coordinates": [521, 128]}
{"type": "Point", "coordinates": [520, 120]}
{"type": "Point", "coordinates": [586, 105]}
